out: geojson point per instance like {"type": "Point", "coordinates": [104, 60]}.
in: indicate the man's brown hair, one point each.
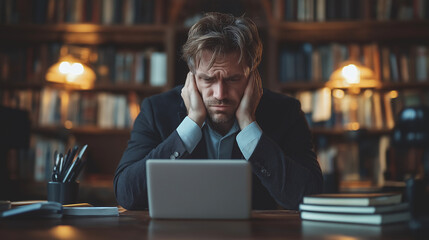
{"type": "Point", "coordinates": [223, 33]}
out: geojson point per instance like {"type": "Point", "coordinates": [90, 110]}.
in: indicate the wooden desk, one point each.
{"type": "Point", "coordinates": [138, 225]}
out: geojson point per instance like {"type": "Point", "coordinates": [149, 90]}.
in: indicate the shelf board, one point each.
{"type": "Point", "coordinates": [84, 33]}
{"type": "Point", "coordinates": [21, 85]}
{"type": "Point", "coordinates": [92, 130]}
{"type": "Point", "coordinates": [343, 131]}
{"type": "Point", "coordinates": [308, 85]}
{"type": "Point", "coordinates": [125, 88]}
{"type": "Point", "coordinates": [116, 88]}
{"type": "Point", "coordinates": [352, 31]}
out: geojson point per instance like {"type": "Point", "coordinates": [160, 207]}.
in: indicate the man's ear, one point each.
{"type": "Point", "coordinates": [247, 72]}
{"type": "Point", "coordinates": [191, 65]}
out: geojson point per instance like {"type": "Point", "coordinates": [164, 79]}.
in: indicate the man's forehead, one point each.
{"type": "Point", "coordinates": [228, 62]}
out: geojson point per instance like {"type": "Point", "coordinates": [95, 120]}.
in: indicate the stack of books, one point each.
{"type": "Point", "coordinates": [45, 209]}
{"type": "Point", "coordinates": [368, 208]}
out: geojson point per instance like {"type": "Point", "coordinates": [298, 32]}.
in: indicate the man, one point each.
{"type": "Point", "coordinates": [222, 112]}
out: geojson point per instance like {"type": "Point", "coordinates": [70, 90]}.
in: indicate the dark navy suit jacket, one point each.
{"type": "Point", "coordinates": [284, 163]}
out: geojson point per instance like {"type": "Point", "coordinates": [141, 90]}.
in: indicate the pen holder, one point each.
{"type": "Point", "coordinates": [64, 193]}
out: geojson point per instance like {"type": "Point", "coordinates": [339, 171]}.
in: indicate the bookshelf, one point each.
{"type": "Point", "coordinates": [32, 35]}
{"type": "Point", "coordinates": [309, 39]}
{"type": "Point", "coordinates": [34, 38]}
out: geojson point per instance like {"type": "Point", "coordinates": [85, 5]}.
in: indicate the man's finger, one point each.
{"type": "Point", "coordinates": [187, 79]}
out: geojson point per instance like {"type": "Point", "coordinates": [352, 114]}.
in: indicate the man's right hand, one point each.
{"type": "Point", "coordinates": [193, 100]}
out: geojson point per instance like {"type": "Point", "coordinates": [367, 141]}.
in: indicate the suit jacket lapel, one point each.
{"type": "Point", "coordinates": [200, 151]}
{"type": "Point", "coordinates": [182, 112]}
{"type": "Point", "coordinates": [236, 152]}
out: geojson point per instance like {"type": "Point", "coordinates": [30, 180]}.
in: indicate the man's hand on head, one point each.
{"type": "Point", "coordinates": [252, 95]}
{"type": "Point", "coordinates": [193, 100]}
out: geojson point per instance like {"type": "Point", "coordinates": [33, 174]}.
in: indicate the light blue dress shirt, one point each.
{"type": "Point", "coordinates": [218, 146]}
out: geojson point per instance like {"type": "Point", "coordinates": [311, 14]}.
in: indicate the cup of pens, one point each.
{"type": "Point", "coordinates": [63, 187]}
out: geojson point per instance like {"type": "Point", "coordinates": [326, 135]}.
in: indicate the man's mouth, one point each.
{"type": "Point", "coordinates": [220, 107]}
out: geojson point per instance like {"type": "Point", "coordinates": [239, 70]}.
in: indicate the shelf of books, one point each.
{"type": "Point", "coordinates": [103, 12]}
{"type": "Point", "coordinates": [309, 40]}
{"type": "Point", "coordinates": [130, 48]}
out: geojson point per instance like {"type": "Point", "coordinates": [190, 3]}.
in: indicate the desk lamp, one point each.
{"type": "Point", "coordinates": [352, 77]}
{"type": "Point", "coordinates": [71, 70]}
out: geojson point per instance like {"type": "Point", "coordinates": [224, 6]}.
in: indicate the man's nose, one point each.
{"type": "Point", "coordinates": [219, 91]}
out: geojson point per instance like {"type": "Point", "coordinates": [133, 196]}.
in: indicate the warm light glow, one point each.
{"type": "Point", "coordinates": [68, 124]}
{"type": "Point", "coordinates": [338, 93]}
{"type": "Point", "coordinates": [65, 67]}
{"type": "Point", "coordinates": [71, 72]}
{"type": "Point", "coordinates": [367, 93]}
{"type": "Point", "coordinates": [76, 69]}
{"type": "Point", "coordinates": [73, 69]}
{"type": "Point", "coordinates": [351, 74]}
{"type": "Point", "coordinates": [64, 232]}
{"type": "Point", "coordinates": [353, 126]}
{"type": "Point", "coordinates": [393, 94]}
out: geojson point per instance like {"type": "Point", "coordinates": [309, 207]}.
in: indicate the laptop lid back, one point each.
{"type": "Point", "coordinates": [199, 189]}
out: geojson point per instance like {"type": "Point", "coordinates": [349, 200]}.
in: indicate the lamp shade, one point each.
{"type": "Point", "coordinates": [412, 128]}
{"type": "Point", "coordinates": [352, 74]}
{"type": "Point", "coordinates": [72, 72]}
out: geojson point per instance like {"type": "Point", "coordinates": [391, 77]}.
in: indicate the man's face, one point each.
{"type": "Point", "coordinates": [221, 86]}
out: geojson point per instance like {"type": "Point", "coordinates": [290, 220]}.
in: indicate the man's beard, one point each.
{"type": "Point", "coordinates": [217, 117]}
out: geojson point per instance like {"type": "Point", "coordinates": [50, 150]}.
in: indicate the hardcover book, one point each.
{"type": "Point", "coordinates": [373, 219]}
{"type": "Point", "coordinates": [354, 199]}
{"type": "Point", "coordinates": [354, 209]}
{"type": "Point", "coordinates": [56, 210]}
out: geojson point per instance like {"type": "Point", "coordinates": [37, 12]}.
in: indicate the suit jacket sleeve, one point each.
{"type": "Point", "coordinates": [284, 160]}
{"type": "Point", "coordinates": [149, 139]}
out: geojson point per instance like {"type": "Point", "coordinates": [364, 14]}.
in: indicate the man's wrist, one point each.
{"type": "Point", "coordinates": [245, 121]}
{"type": "Point", "coordinates": [190, 133]}
{"type": "Point", "coordinates": [199, 120]}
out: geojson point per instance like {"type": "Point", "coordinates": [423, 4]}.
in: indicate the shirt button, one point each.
{"type": "Point", "coordinates": [174, 155]}
{"type": "Point", "coordinates": [265, 172]}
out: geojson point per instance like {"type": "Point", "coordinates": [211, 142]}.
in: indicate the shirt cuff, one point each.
{"type": "Point", "coordinates": [248, 138]}
{"type": "Point", "coordinates": [190, 133]}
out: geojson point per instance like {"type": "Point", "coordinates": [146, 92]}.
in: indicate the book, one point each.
{"type": "Point", "coordinates": [354, 199]}
{"type": "Point", "coordinates": [56, 210]}
{"type": "Point", "coordinates": [315, 229]}
{"type": "Point", "coordinates": [4, 205]}
{"type": "Point", "coordinates": [90, 211]}
{"type": "Point", "coordinates": [158, 69]}
{"type": "Point", "coordinates": [374, 219]}
{"type": "Point", "coordinates": [40, 209]}
{"type": "Point", "coordinates": [354, 209]}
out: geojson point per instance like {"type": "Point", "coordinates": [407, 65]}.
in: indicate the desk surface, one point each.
{"type": "Point", "coordinates": [138, 225]}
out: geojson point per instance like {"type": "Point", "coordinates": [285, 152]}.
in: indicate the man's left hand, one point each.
{"type": "Point", "coordinates": [245, 113]}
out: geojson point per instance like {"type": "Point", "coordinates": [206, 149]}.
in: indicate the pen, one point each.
{"type": "Point", "coordinates": [67, 167]}
{"type": "Point", "coordinates": [61, 164]}
{"type": "Point", "coordinates": [55, 168]}
{"type": "Point", "coordinates": [74, 168]}
{"type": "Point", "coordinates": [66, 177]}
{"type": "Point", "coordinates": [79, 167]}
{"type": "Point", "coordinates": [82, 151]}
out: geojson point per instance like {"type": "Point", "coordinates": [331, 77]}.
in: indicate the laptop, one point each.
{"type": "Point", "coordinates": [199, 189]}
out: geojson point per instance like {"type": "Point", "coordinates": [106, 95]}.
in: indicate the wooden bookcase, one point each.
{"type": "Point", "coordinates": [167, 32]}
{"type": "Point", "coordinates": [401, 37]}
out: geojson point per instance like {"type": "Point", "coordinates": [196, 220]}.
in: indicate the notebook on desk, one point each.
{"type": "Point", "coordinates": [199, 189]}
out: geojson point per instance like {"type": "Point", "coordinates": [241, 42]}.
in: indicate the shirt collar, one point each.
{"type": "Point", "coordinates": [234, 129]}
